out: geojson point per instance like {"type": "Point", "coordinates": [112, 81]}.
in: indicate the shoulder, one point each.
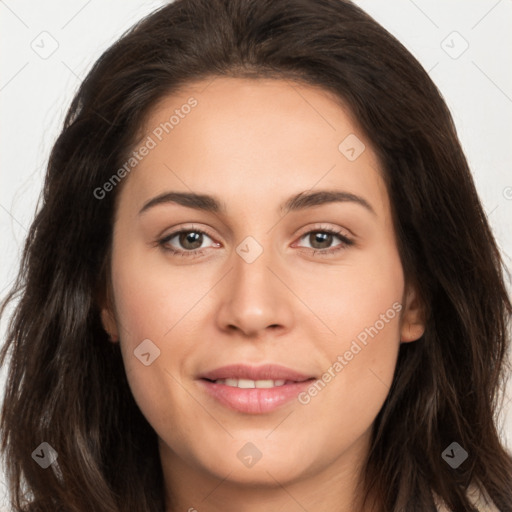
{"type": "Point", "coordinates": [479, 499]}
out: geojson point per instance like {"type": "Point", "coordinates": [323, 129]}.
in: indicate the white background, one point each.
{"type": "Point", "coordinates": [35, 93]}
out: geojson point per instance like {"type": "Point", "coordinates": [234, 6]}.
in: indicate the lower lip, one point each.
{"type": "Point", "coordinates": [254, 400]}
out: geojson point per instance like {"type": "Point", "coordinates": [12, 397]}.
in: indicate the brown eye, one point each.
{"type": "Point", "coordinates": [320, 239]}
{"type": "Point", "coordinates": [190, 239]}
{"type": "Point", "coordinates": [186, 242]}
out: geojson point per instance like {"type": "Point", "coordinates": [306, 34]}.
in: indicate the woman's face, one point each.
{"type": "Point", "coordinates": [314, 286]}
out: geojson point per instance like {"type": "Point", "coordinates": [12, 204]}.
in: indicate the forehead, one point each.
{"type": "Point", "coordinates": [260, 137]}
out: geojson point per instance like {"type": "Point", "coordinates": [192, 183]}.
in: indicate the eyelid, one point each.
{"type": "Point", "coordinates": [346, 237]}
{"type": "Point", "coordinates": [327, 227]}
{"type": "Point", "coordinates": [186, 228]}
{"type": "Point", "coordinates": [347, 241]}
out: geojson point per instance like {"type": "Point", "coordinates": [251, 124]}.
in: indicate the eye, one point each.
{"type": "Point", "coordinates": [321, 239]}
{"type": "Point", "coordinates": [190, 240]}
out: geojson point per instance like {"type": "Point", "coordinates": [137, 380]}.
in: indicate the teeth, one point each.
{"type": "Point", "coordinates": [247, 383]}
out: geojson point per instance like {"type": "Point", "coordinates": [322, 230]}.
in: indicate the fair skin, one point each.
{"type": "Point", "coordinates": [252, 144]}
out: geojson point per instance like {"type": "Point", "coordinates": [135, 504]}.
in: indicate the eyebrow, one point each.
{"type": "Point", "coordinates": [301, 201]}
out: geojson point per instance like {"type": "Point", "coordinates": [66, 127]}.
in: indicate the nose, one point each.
{"type": "Point", "coordinates": [254, 297]}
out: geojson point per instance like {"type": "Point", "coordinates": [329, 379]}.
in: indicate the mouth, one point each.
{"type": "Point", "coordinates": [252, 384]}
{"type": "Point", "coordinates": [254, 390]}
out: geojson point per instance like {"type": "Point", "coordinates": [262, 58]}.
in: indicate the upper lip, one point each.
{"type": "Point", "coordinates": [264, 372]}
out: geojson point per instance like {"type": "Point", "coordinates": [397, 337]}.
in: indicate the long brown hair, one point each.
{"type": "Point", "coordinates": [66, 384]}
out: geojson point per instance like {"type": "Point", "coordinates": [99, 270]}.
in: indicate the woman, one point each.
{"type": "Point", "coordinates": [254, 371]}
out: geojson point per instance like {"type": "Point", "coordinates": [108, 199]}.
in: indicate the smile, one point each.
{"type": "Point", "coordinates": [248, 383]}
{"type": "Point", "coordinates": [254, 389]}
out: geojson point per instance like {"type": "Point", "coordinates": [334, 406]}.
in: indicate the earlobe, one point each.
{"type": "Point", "coordinates": [413, 318]}
{"type": "Point", "coordinates": [411, 332]}
{"type": "Point", "coordinates": [109, 324]}
{"type": "Point", "coordinates": [105, 302]}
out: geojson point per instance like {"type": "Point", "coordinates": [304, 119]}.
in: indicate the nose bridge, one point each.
{"type": "Point", "coordinates": [254, 298]}
{"type": "Point", "coordinates": [252, 279]}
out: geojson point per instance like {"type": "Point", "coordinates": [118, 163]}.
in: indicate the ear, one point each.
{"type": "Point", "coordinates": [413, 317]}
{"type": "Point", "coordinates": [109, 324]}
{"type": "Point", "coordinates": [108, 319]}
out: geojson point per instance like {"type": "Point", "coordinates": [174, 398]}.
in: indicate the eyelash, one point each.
{"type": "Point", "coordinates": [346, 242]}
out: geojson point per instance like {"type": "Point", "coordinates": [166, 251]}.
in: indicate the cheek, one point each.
{"type": "Point", "coordinates": [349, 298]}
{"type": "Point", "coordinates": [151, 314]}
{"type": "Point", "coordinates": [362, 308]}
{"type": "Point", "coordinates": [152, 299]}
{"type": "Point", "coordinates": [357, 377]}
